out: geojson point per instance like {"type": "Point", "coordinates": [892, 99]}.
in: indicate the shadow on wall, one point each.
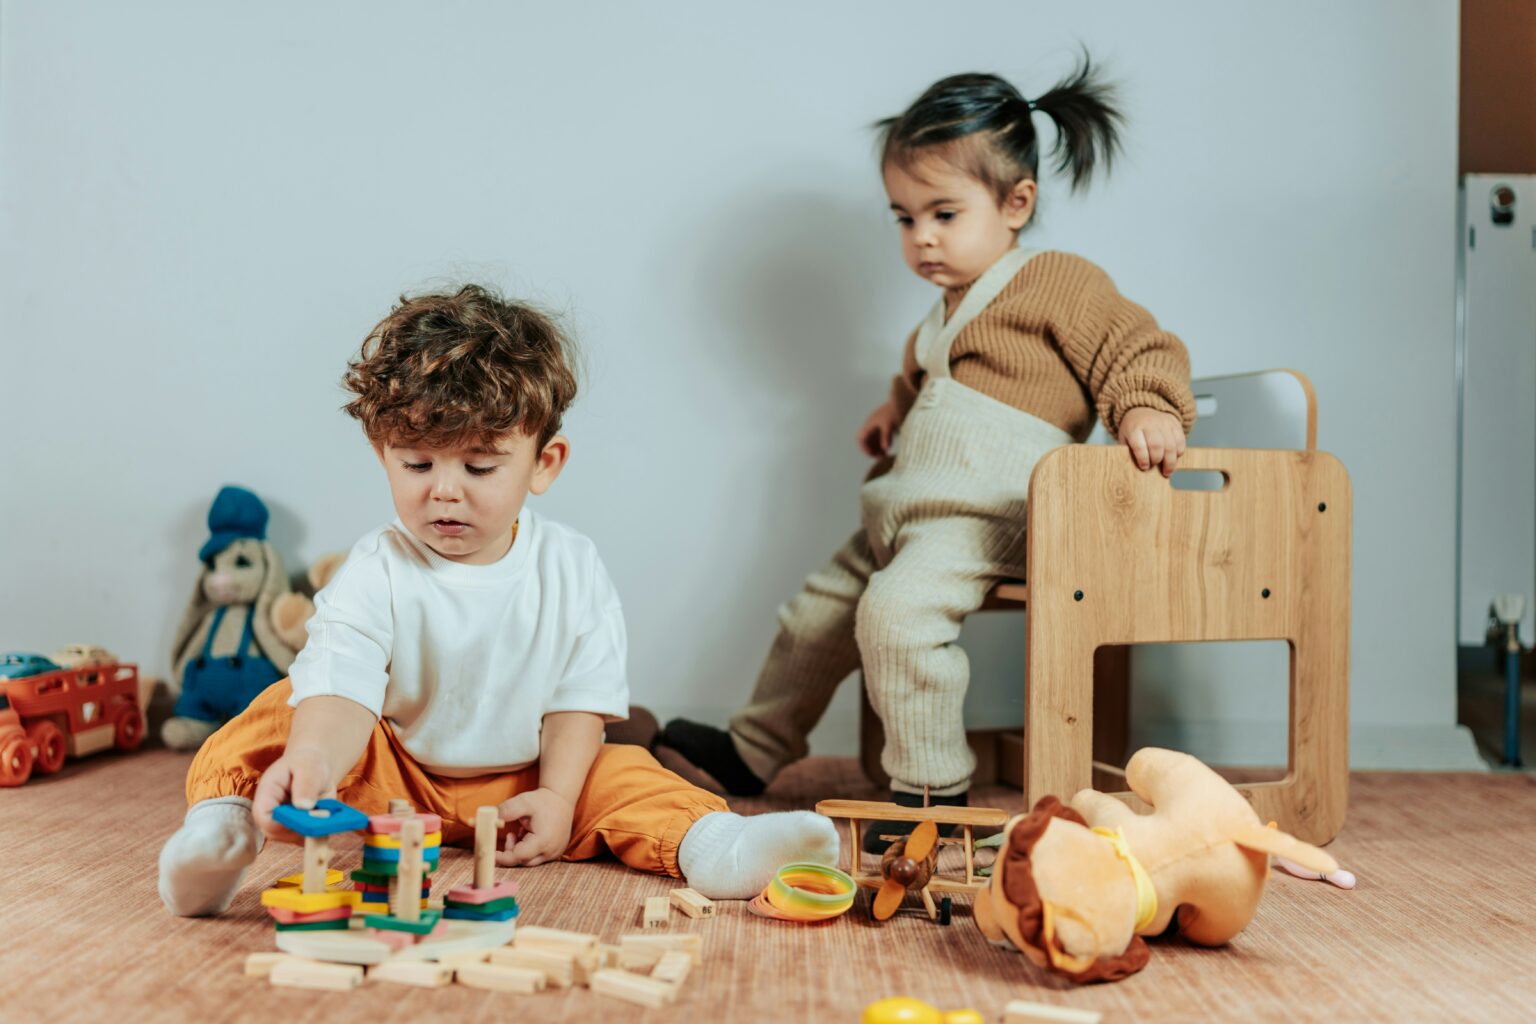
{"type": "Point", "coordinates": [800, 287]}
{"type": "Point", "coordinates": [809, 311]}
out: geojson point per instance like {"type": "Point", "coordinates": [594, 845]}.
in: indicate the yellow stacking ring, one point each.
{"type": "Point", "coordinates": [380, 841]}
{"type": "Point", "coordinates": [806, 892]}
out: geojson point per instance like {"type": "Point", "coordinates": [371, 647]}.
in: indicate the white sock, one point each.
{"type": "Point", "coordinates": [728, 857]}
{"type": "Point", "coordinates": [203, 862]}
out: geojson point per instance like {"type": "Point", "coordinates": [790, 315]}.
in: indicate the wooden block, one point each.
{"type": "Point", "coordinates": [656, 911]}
{"type": "Point", "coordinates": [459, 957]}
{"type": "Point", "coordinates": [608, 956]}
{"type": "Point", "coordinates": [470, 894]}
{"type": "Point", "coordinates": [259, 965]}
{"type": "Point", "coordinates": [309, 902]}
{"type": "Point", "coordinates": [633, 988]}
{"type": "Point", "coordinates": [1022, 1011]}
{"type": "Point", "coordinates": [296, 973]}
{"type": "Point", "coordinates": [333, 877]}
{"type": "Point", "coordinates": [500, 978]}
{"type": "Point", "coordinates": [584, 965]}
{"type": "Point", "coordinates": [673, 968]}
{"type": "Point", "coordinates": [693, 903]}
{"type": "Point", "coordinates": [559, 968]}
{"type": "Point", "coordinates": [317, 863]}
{"type": "Point", "coordinates": [575, 942]}
{"type": "Point", "coordinates": [421, 973]}
{"type": "Point", "coordinates": [641, 952]}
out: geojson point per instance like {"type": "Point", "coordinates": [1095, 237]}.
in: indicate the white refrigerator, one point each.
{"type": "Point", "coordinates": [1496, 379]}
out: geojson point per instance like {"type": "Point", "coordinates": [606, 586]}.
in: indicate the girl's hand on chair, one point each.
{"type": "Point", "coordinates": [299, 777]}
{"type": "Point", "coordinates": [539, 828]}
{"type": "Point", "coordinates": [1155, 438]}
{"type": "Point", "coordinates": [878, 430]}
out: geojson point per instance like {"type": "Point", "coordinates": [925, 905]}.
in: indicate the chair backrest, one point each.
{"type": "Point", "coordinates": [1267, 409]}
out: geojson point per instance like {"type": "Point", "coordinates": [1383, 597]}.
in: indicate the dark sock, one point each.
{"type": "Point", "coordinates": [873, 843]}
{"type": "Point", "coordinates": [714, 751]}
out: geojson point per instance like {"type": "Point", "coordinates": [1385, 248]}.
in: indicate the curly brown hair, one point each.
{"type": "Point", "coordinates": [461, 370]}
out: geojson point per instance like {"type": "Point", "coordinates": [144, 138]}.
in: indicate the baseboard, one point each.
{"type": "Point", "coordinates": [1372, 746]}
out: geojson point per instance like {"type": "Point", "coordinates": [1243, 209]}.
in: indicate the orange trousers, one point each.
{"type": "Point", "coordinates": [631, 805]}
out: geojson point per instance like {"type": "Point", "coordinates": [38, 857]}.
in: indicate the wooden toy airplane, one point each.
{"type": "Point", "coordinates": [911, 862]}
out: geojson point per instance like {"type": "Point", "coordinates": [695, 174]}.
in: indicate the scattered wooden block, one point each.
{"type": "Point", "coordinates": [608, 956]}
{"type": "Point", "coordinates": [459, 957]}
{"type": "Point", "coordinates": [559, 968]}
{"type": "Point", "coordinates": [633, 988]}
{"type": "Point", "coordinates": [641, 952]}
{"type": "Point", "coordinates": [656, 910]}
{"type": "Point", "coordinates": [500, 978]}
{"type": "Point", "coordinates": [673, 968]}
{"type": "Point", "coordinates": [693, 903]}
{"type": "Point", "coordinates": [1022, 1011]}
{"type": "Point", "coordinates": [259, 965]}
{"type": "Point", "coordinates": [421, 973]}
{"type": "Point", "coordinates": [297, 973]}
{"type": "Point", "coordinates": [533, 936]}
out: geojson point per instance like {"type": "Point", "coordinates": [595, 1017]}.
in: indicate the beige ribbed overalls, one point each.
{"type": "Point", "coordinates": [940, 529]}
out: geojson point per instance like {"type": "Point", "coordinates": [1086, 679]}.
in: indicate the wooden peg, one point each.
{"type": "Point", "coordinates": [487, 821]}
{"type": "Point", "coordinates": [406, 893]}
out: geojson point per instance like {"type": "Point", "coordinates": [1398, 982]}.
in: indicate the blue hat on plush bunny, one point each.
{"type": "Point", "coordinates": [236, 513]}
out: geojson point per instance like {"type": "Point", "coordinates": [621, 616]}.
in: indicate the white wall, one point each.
{"type": "Point", "coordinates": [205, 207]}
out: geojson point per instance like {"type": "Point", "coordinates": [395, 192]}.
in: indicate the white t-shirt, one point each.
{"type": "Point", "coordinates": [466, 660]}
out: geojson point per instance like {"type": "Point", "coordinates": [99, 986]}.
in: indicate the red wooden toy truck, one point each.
{"type": "Point", "coordinates": [48, 713]}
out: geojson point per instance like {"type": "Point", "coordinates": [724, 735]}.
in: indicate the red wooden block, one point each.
{"type": "Point", "coordinates": [389, 824]}
{"type": "Point", "coordinates": [287, 916]}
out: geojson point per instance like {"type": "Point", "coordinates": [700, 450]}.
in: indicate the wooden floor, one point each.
{"type": "Point", "coordinates": [1440, 928]}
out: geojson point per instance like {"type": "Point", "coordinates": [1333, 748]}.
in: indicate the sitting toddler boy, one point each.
{"type": "Point", "coordinates": [469, 652]}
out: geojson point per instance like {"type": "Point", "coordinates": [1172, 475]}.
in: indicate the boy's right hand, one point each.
{"type": "Point", "coordinates": [300, 777]}
{"type": "Point", "coordinates": [879, 429]}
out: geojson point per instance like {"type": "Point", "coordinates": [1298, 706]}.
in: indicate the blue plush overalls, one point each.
{"type": "Point", "coordinates": [217, 689]}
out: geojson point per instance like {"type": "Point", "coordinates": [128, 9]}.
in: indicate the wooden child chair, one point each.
{"type": "Point", "coordinates": [1116, 556]}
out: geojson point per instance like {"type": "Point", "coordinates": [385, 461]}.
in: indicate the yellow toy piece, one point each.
{"type": "Point", "coordinates": [310, 902]}
{"type": "Point", "coordinates": [384, 841]}
{"type": "Point", "coordinates": [905, 1010]}
{"type": "Point", "coordinates": [333, 878]}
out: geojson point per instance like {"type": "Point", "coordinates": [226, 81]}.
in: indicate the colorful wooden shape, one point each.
{"type": "Point", "coordinates": [378, 855]}
{"type": "Point", "coordinates": [423, 925]}
{"type": "Point", "coordinates": [326, 819]}
{"type": "Point", "coordinates": [392, 842]}
{"type": "Point", "coordinates": [309, 902]}
{"type": "Point", "coordinates": [461, 914]}
{"type": "Point", "coordinates": [389, 824]}
{"type": "Point", "coordinates": [340, 924]}
{"type": "Point", "coordinates": [491, 907]}
{"type": "Point", "coordinates": [470, 894]}
{"type": "Point", "coordinates": [285, 916]}
{"type": "Point", "coordinates": [333, 877]}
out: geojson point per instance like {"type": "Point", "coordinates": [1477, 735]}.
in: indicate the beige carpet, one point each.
{"type": "Point", "coordinates": [1440, 928]}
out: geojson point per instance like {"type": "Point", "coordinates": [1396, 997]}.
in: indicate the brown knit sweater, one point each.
{"type": "Point", "coordinates": [1060, 342]}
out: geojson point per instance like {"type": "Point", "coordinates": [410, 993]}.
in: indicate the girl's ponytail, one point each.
{"type": "Point", "coordinates": [984, 126]}
{"type": "Point", "coordinates": [1087, 123]}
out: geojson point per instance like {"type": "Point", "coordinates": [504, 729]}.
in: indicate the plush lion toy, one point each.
{"type": "Point", "coordinates": [1075, 888]}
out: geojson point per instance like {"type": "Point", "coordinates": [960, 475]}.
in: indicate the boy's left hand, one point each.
{"type": "Point", "coordinates": [1154, 438]}
{"type": "Point", "coordinates": [540, 823]}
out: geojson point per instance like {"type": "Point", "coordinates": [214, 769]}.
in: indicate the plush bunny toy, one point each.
{"type": "Point", "coordinates": [226, 650]}
{"type": "Point", "coordinates": [1075, 888]}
